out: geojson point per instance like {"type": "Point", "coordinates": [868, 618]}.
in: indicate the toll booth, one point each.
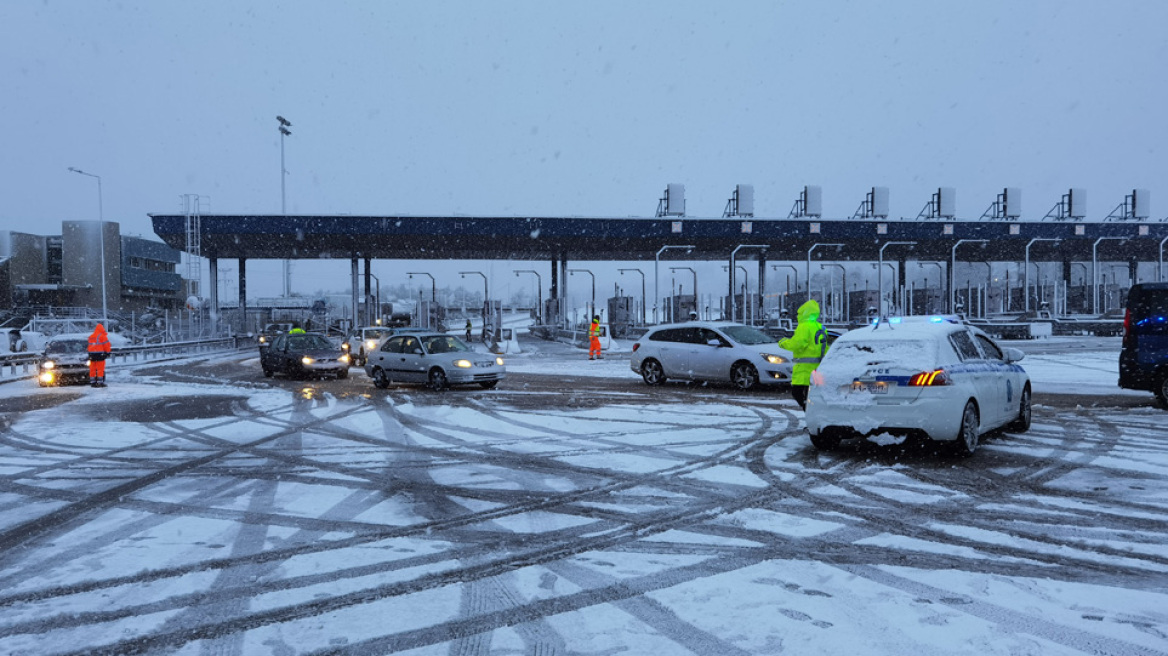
{"type": "Point", "coordinates": [621, 315]}
{"type": "Point", "coordinates": [747, 309]}
{"type": "Point", "coordinates": [431, 316]}
{"type": "Point", "coordinates": [678, 307]}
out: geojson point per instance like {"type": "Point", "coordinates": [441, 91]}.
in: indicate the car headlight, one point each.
{"type": "Point", "coordinates": [370, 344]}
{"type": "Point", "coordinates": [48, 364]}
{"type": "Point", "coordinates": [463, 364]}
{"type": "Point", "coordinates": [263, 339]}
{"type": "Point", "coordinates": [344, 346]}
{"type": "Point", "coordinates": [47, 377]}
{"type": "Point", "coordinates": [306, 360]}
{"type": "Point", "coordinates": [344, 358]}
{"type": "Point", "coordinates": [775, 359]}
{"type": "Point", "coordinates": [499, 361]}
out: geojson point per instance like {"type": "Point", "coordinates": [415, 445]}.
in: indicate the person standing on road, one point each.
{"type": "Point", "coordinates": [99, 349]}
{"type": "Point", "coordinates": [808, 345]}
{"type": "Point", "coordinates": [594, 338]}
{"type": "Point", "coordinates": [468, 329]}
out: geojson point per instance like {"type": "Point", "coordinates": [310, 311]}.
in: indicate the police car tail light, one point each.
{"type": "Point", "coordinates": [930, 379]}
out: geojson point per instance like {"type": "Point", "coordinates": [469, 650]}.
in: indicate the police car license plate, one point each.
{"type": "Point", "coordinates": [870, 387]}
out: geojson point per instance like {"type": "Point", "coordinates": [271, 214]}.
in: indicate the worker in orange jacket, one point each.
{"type": "Point", "coordinates": [594, 338]}
{"type": "Point", "coordinates": [99, 350]}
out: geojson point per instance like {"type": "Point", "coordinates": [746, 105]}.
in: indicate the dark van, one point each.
{"type": "Point", "coordinates": [1143, 360]}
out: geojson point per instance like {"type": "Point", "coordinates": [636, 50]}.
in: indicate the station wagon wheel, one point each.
{"type": "Point", "coordinates": [1021, 423]}
{"type": "Point", "coordinates": [966, 442]}
{"type": "Point", "coordinates": [438, 380]}
{"type": "Point", "coordinates": [744, 375]}
{"type": "Point", "coordinates": [652, 372]}
{"type": "Point", "coordinates": [380, 380]}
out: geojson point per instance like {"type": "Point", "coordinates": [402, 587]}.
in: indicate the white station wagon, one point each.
{"type": "Point", "coordinates": [930, 376]}
{"type": "Point", "coordinates": [711, 351]}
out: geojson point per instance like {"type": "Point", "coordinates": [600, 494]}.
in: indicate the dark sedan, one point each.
{"type": "Point", "coordinates": [304, 355]}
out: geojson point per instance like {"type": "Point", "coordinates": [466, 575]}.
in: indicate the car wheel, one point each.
{"type": "Point", "coordinates": [1162, 391]}
{"type": "Point", "coordinates": [268, 372]}
{"type": "Point", "coordinates": [438, 380]}
{"type": "Point", "coordinates": [652, 372]}
{"type": "Point", "coordinates": [826, 440]}
{"type": "Point", "coordinates": [967, 436]}
{"type": "Point", "coordinates": [744, 375]}
{"type": "Point", "coordinates": [380, 380]}
{"type": "Point", "coordinates": [1021, 423]}
{"type": "Point", "coordinates": [342, 374]}
{"type": "Point", "coordinates": [489, 384]}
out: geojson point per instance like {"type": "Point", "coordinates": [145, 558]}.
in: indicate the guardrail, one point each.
{"type": "Point", "coordinates": [18, 365]}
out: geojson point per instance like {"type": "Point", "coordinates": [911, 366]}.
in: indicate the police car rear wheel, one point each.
{"type": "Point", "coordinates": [967, 437]}
{"type": "Point", "coordinates": [1021, 423]}
{"type": "Point", "coordinates": [1162, 391]}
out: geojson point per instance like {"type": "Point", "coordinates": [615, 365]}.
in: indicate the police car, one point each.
{"type": "Point", "coordinates": [928, 376]}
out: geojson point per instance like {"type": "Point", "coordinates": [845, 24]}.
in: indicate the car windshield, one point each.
{"type": "Point", "coordinates": [308, 343]}
{"type": "Point", "coordinates": [444, 344]}
{"type": "Point", "coordinates": [67, 346]}
{"type": "Point", "coordinates": [857, 356]}
{"type": "Point", "coordinates": [747, 335]}
{"type": "Point", "coordinates": [377, 333]}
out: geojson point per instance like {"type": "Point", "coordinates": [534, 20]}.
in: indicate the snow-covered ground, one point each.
{"type": "Point", "coordinates": [194, 507]}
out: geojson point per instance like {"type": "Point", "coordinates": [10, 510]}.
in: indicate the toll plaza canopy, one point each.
{"type": "Point", "coordinates": [637, 238]}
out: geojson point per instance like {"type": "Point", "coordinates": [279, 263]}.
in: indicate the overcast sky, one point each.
{"type": "Point", "coordinates": [544, 108]}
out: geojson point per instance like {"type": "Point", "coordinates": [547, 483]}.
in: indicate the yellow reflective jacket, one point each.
{"type": "Point", "coordinates": [808, 345]}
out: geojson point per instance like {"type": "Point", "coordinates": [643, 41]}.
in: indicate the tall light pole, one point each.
{"type": "Point", "coordinates": [486, 292]}
{"type": "Point", "coordinates": [953, 271]}
{"type": "Point", "coordinates": [1026, 272]}
{"type": "Point", "coordinates": [375, 312]}
{"type": "Point", "coordinates": [940, 278]}
{"type": "Point", "coordinates": [644, 310]}
{"type": "Point", "coordinates": [809, 252]}
{"type": "Point", "coordinates": [574, 272]}
{"type": "Point", "coordinates": [101, 241]}
{"type": "Point", "coordinates": [284, 132]}
{"type": "Point", "coordinates": [538, 293]}
{"type": "Point", "coordinates": [776, 267]}
{"type": "Point", "coordinates": [844, 275]}
{"type": "Point", "coordinates": [1095, 272]}
{"type": "Point", "coordinates": [695, 283]}
{"type": "Point", "coordinates": [880, 274]}
{"type": "Point", "coordinates": [433, 291]}
{"type": "Point", "coordinates": [657, 277]}
{"type": "Point", "coordinates": [745, 286]}
{"type": "Point", "coordinates": [731, 271]}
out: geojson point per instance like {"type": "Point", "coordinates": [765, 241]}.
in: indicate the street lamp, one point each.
{"type": "Point", "coordinates": [538, 293]}
{"type": "Point", "coordinates": [433, 291]}
{"type": "Point", "coordinates": [745, 286]}
{"type": "Point", "coordinates": [101, 243]}
{"type": "Point", "coordinates": [776, 267]}
{"type": "Point", "coordinates": [953, 271]}
{"type": "Point", "coordinates": [844, 275]}
{"type": "Point", "coordinates": [940, 277]}
{"type": "Point", "coordinates": [731, 271]}
{"type": "Point", "coordinates": [809, 252]}
{"type": "Point", "coordinates": [657, 277]}
{"type": "Point", "coordinates": [574, 272]}
{"type": "Point", "coordinates": [1026, 270]}
{"type": "Point", "coordinates": [1095, 272]}
{"type": "Point", "coordinates": [644, 310]}
{"type": "Point", "coordinates": [486, 294]}
{"type": "Point", "coordinates": [284, 132]}
{"type": "Point", "coordinates": [880, 274]}
{"type": "Point", "coordinates": [375, 312]}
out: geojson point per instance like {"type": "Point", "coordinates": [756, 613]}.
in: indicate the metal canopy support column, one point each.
{"type": "Point", "coordinates": [213, 270]}
{"type": "Point", "coordinates": [368, 286]}
{"type": "Point", "coordinates": [554, 292]}
{"type": "Point", "coordinates": [761, 310]}
{"type": "Point", "coordinates": [564, 286]}
{"type": "Point", "coordinates": [1066, 290]}
{"type": "Point", "coordinates": [353, 286]}
{"type": "Point", "coordinates": [243, 295]}
{"type": "Point", "coordinates": [901, 285]}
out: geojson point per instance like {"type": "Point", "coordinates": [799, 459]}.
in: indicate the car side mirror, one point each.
{"type": "Point", "coordinates": [1012, 354]}
{"type": "Point", "coordinates": [714, 342]}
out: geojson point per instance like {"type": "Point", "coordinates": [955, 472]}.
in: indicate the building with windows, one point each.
{"type": "Point", "coordinates": [65, 270]}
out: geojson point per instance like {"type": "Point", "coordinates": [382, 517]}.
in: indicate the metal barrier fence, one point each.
{"type": "Point", "coordinates": [19, 365]}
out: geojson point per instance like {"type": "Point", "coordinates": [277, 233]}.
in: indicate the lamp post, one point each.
{"type": "Point", "coordinates": [284, 132]}
{"type": "Point", "coordinates": [940, 277]}
{"type": "Point", "coordinates": [538, 293]}
{"type": "Point", "coordinates": [844, 282]}
{"type": "Point", "coordinates": [657, 277]}
{"type": "Point", "coordinates": [375, 312]}
{"type": "Point", "coordinates": [1095, 272]}
{"type": "Point", "coordinates": [695, 283]}
{"type": "Point", "coordinates": [776, 267]}
{"type": "Point", "coordinates": [880, 274]}
{"type": "Point", "coordinates": [486, 292]}
{"type": "Point", "coordinates": [101, 241]}
{"type": "Point", "coordinates": [433, 291]}
{"type": "Point", "coordinates": [953, 270]}
{"type": "Point", "coordinates": [644, 310]}
{"type": "Point", "coordinates": [1026, 270]}
{"type": "Point", "coordinates": [809, 252]}
{"type": "Point", "coordinates": [731, 271]}
{"type": "Point", "coordinates": [745, 286]}
{"type": "Point", "coordinates": [593, 308]}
